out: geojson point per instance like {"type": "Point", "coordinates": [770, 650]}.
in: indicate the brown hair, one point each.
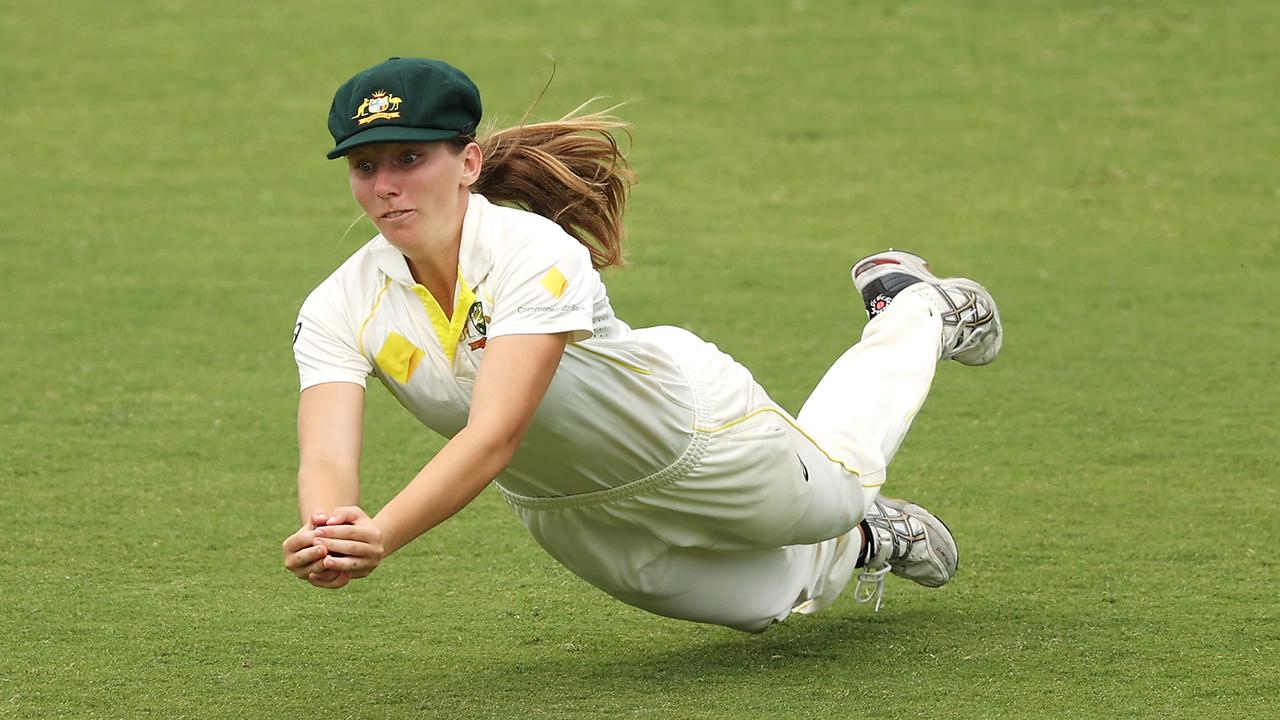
{"type": "Point", "coordinates": [570, 170]}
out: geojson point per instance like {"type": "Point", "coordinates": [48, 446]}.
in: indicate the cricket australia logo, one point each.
{"type": "Point", "coordinates": [477, 324]}
{"type": "Point", "coordinates": [381, 105]}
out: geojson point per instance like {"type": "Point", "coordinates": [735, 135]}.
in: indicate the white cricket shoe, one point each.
{"type": "Point", "coordinates": [971, 330]}
{"type": "Point", "coordinates": [908, 541]}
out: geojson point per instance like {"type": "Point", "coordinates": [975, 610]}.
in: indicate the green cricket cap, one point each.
{"type": "Point", "coordinates": [403, 100]}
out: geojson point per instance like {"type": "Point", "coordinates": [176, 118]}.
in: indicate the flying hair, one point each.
{"type": "Point", "coordinates": [570, 170]}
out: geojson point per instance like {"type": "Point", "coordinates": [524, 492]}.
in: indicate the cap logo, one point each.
{"type": "Point", "coordinates": [381, 105]}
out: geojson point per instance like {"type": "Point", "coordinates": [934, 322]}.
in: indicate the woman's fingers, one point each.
{"type": "Point", "coordinates": [307, 571]}
{"type": "Point", "coordinates": [345, 515]}
{"type": "Point", "coordinates": [309, 552]}
{"type": "Point", "coordinates": [349, 564]}
{"type": "Point", "coordinates": [302, 554]}
{"type": "Point", "coordinates": [332, 548]}
{"type": "Point", "coordinates": [346, 547]}
{"type": "Point", "coordinates": [323, 575]}
{"type": "Point", "coordinates": [360, 542]}
{"type": "Point", "coordinates": [329, 580]}
{"type": "Point", "coordinates": [363, 532]}
{"type": "Point", "coordinates": [306, 561]}
{"type": "Point", "coordinates": [298, 540]}
{"type": "Point", "coordinates": [306, 556]}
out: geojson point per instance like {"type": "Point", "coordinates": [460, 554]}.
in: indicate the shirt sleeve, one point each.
{"type": "Point", "coordinates": [544, 285]}
{"type": "Point", "coordinates": [324, 340]}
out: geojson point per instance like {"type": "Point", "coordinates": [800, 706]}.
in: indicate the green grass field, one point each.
{"type": "Point", "coordinates": [1108, 169]}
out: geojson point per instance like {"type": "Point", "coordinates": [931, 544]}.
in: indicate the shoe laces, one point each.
{"type": "Point", "coordinates": [874, 582]}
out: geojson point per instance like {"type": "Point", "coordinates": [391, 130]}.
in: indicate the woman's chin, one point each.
{"type": "Point", "coordinates": [396, 236]}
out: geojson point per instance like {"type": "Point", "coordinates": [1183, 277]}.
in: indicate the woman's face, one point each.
{"type": "Point", "coordinates": [413, 192]}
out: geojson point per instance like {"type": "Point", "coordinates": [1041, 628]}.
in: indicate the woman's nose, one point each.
{"type": "Point", "coordinates": [384, 185]}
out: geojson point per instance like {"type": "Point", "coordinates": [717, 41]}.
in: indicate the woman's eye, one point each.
{"type": "Point", "coordinates": [409, 158]}
{"type": "Point", "coordinates": [364, 167]}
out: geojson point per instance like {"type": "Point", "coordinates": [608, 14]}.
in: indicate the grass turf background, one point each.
{"type": "Point", "coordinates": [1107, 169]}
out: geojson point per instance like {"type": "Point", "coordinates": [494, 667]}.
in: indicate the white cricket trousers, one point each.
{"type": "Point", "coordinates": [745, 527]}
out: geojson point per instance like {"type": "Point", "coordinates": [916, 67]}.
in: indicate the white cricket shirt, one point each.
{"type": "Point", "coordinates": [618, 409]}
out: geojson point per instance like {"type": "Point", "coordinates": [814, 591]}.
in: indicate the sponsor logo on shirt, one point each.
{"type": "Point", "coordinates": [548, 308]}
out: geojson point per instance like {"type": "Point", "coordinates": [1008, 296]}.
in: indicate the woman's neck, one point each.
{"type": "Point", "coordinates": [438, 272]}
{"type": "Point", "coordinates": [433, 261]}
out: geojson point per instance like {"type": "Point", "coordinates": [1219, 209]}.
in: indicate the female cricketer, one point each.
{"type": "Point", "coordinates": [645, 460]}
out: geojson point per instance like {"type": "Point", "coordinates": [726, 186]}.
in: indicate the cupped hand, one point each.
{"type": "Point", "coordinates": [352, 542]}
{"type": "Point", "coordinates": [304, 556]}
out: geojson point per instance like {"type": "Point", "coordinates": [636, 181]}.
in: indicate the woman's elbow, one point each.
{"type": "Point", "coordinates": [499, 445]}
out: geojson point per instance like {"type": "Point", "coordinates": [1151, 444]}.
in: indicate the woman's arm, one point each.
{"type": "Point", "coordinates": [330, 434]}
{"type": "Point", "coordinates": [511, 382]}
{"type": "Point", "coordinates": [330, 420]}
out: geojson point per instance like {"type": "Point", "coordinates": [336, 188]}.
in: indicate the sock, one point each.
{"type": "Point", "coordinates": [868, 545]}
{"type": "Point", "coordinates": [879, 293]}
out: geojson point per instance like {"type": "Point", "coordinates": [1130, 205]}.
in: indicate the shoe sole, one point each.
{"type": "Point", "coordinates": [890, 261]}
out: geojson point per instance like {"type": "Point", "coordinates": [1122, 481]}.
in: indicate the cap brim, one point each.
{"type": "Point", "coordinates": [389, 133]}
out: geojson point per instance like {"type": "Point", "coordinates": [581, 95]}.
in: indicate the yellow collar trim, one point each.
{"type": "Point", "coordinates": [448, 329]}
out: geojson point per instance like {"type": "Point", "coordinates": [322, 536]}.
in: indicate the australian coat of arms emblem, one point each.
{"type": "Point", "coordinates": [381, 105]}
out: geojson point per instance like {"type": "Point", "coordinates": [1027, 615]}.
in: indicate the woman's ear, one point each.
{"type": "Point", "coordinates": [472, 161]}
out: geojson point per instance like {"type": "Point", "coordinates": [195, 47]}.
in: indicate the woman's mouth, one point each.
{"type": "Point", "coordinates": [394, 214]}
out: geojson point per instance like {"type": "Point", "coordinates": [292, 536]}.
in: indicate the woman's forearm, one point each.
{"type": "Point", "coordinates": [453, 478]}
{"type": "Point", "coordinates": [511, 381]}
{"type": "Point", "coordinates": [330, 433]}
{"type": "Point", "coordinates": [323, 486]}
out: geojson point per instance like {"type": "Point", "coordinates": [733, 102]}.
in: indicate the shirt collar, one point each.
{"type": "Point", "coordinates": [474, 260]}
